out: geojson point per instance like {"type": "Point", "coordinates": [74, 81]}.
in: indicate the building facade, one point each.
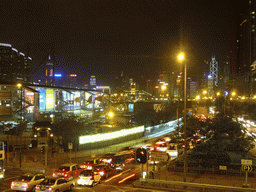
{"type": "Point", "coordinates": [14, 65]}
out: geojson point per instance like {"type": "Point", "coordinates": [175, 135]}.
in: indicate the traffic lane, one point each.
{"type": "Point", "coordinates": [10, 175]}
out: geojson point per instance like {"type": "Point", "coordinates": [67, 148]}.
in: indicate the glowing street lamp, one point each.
{"type": "Point", "coordinates": [233, 94]}
{"type": "Point", "coordinates": [111, 114]}
{"type": "Point", "coordinates": [181, 58]}
{"type": "Point", "coordinates": [163, 87]}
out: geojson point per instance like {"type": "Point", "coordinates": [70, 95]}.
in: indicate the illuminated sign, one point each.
{"type": "Point", "coordinates": [109, 136]}
{"type": "Point", "coordinates": [131, 108]}
{"type": "Point", "coordinates": [42, 96]}
{"type": "Point", "coordinates": [72, 75]}
{"type": "Point", "coordinates": [5, 44]}
{"type": "Point", "coordinates": [102, 87]}
{"type": "Point", "coordinates": [57, 75]}
{"type": "Point", "coordinates": [49, 99]}
{"type": "Point", "coordinates": [15, 50]}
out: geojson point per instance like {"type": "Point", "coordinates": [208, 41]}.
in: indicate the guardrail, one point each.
{"type": "Point", "coordinates": [198, 185]}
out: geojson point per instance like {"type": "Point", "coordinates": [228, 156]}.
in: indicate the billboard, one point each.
{"type": "Point", "coordinates": [42, 99]}
{"type": "Point", "coordinates": [49, 99]}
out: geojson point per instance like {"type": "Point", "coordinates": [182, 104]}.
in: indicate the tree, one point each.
{"type": "Point", "coordinates": [69, 129]}
{"type": "Point", "coordinates": [227, 135]}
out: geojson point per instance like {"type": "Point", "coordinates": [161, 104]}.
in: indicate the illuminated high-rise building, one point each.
{"type": "Point", "coordinates": [14, 65]}
{"type": "Point", "coordinates": [49, 72]}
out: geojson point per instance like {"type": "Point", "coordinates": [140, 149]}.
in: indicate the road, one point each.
{"type": "Point", "coordinates": [116, 183]}
{"type": "Point", "coordinates": [122, 181]}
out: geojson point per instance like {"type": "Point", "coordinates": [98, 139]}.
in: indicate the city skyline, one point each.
{"type": "Point", "coordinates": [105, 38]}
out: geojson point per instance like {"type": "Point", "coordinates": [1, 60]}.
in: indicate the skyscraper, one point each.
{"type": "Point", "coordinates": [14, 65]}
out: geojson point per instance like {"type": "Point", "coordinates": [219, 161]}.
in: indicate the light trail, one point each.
{"type": "Point", "coordinates": [115, 176]}
{"type": "Point", "coordinates": [128, 177]}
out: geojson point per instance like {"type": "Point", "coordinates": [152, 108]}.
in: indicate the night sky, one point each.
{"type": "Point", "coordinates": [105, 37]}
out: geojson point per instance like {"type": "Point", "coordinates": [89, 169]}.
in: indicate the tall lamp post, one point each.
{"type": "Point", "coordinates": [181, 58]}
{"type": "Point", "coordinates": [20, 87]}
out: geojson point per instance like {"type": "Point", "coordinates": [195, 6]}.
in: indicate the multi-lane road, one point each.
{"type": "Point", "coordinates": [122, 181]}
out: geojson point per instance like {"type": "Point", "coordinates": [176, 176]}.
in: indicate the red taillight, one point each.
{"type": "Point", "coordinates": [37, 187]}
{"type": "Point", "coordinates": [91, 177]}
{"type": "Point", "coordinates": [101, 173]}
{"type": "Point", "coordinates": [25, 185]}
{"type": "Point", "coordinates": [12, 184]}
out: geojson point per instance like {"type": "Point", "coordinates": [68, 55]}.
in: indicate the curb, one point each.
{"type": "Point", "coordinates": [137, 184]}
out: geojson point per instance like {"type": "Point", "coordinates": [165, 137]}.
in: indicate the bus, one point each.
{"type": "Point", "coordinates": [2, 162]}
{"type": "Point", "coordinates": [120, 160]}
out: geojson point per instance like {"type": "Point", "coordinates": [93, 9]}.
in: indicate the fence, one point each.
{"type": "Point", "coordinates": [231, 170]}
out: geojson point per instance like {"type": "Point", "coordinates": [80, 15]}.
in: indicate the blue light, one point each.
{"type": "Point", "coordinates": [57, 75]}
{"type": "Point", "coordinates": [226, 93]}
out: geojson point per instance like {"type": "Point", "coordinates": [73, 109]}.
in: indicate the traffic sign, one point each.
{"type": "Point", "coordinates": [246, 162]}
{"type": "Point", "coordinates": [247, 168]}
{"type": "Point", "coordinates": [222, 167]}
{"type": "Point", "coordinates": [70, 145]}
{"type": "Point", "coordinates": [159, 156]}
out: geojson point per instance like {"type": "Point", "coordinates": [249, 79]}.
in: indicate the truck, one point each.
{"type": "Point", "coordinates": [68, 171]}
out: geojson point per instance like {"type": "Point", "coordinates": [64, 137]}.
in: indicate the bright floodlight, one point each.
{"type": "Point", "coordinates": [163, 87]}
{"type": "Point", "coordinates": [181, 57]}
{"type": "Point", "coordinates": [111, 114]}
{"type": "Point", "coordinates": [19, 85]}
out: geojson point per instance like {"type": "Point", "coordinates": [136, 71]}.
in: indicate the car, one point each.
{"type": "Point", "coordinates": [107, 158]}
{"type": "Point", "coordinates": [161, 146]}
{"type": "Point", "coordinates": [89, 163]}
{"type": "Point", "coordinates": [27, 182]}
{"type": "Point", "coordinates": [2, 172]}
{"type": "Point", "coordinates": [56, 184]}
{"type": "Point", "coordinates": [127, 150]}
{"type": "Point", "coordinates": [105, 170]}
{"type": "Point", "coordinates": [89, 177]}
{"type": "Point", "coordinates": [68, 171]}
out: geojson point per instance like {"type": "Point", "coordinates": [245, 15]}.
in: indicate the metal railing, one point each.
{"type": "Point", "coordinates": [196, 185]}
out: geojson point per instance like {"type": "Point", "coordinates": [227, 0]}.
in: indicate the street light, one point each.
{"type": "Point", "coordinates": [181, 58]}
{"type": "Point", "coordinates": [19, 85]}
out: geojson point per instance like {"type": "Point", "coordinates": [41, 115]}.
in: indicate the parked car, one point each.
{"type": "Point", "coordinates": [89, 177]}
{"type": "Point", "coordinates": [27, 182]}
{"type": "Point", "coordinates": [105, 170]}
{"type": "Point", "coordinates": [56, 184]}
{"type": "Point", "coordinates": [68, 171]}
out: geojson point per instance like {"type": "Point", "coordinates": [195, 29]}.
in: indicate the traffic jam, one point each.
{"type": "Point", "coordinates": [111, 168]}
